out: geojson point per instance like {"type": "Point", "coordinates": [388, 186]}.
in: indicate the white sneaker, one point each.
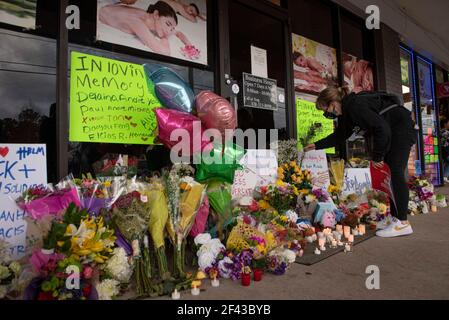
{"type": "Point", "coordinates": [396, 229]}
{"type": "Point", "coordinates": [385, 223]}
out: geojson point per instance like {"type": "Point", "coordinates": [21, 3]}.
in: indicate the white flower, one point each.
{"type": "Point", "coordinates": [213, 247]}
{"type": "Point", "coordinates": [118, 266]}
{"type": "Point", "coordinates": [262, 228]}
{"type": "Point", "coordinates": [4, 272]}
{"type": "Point", "coordinates": [107, 289]}
{"type": "Point", "coordinates": [206, 260]}
{"type": "Point", "coordinates": [202, 239]}
{"type": "Point", "coordinates": [310, 198]}
{"type": "Point", "coordinates": [223, 270]}
{"type": "Point", "coordinates": [289, 255]}
{"type": "Point", "coordinates": [292, 216]}
{"type": "Point", "coordinates": [3, 291]}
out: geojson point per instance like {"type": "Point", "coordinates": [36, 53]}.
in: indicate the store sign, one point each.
{"type": "Point", "coordinates": [110, 102]}
{"type": "Point", "coordinates": [21, 166]}
{"type": "Point", "coordinates": [443, 90]}
{"type": "Point", "coordinates": [260, 93]}
{"type": "Point", "coordinates": [316, 163]}
{"type": "Point", "coordinates": [357, 181]}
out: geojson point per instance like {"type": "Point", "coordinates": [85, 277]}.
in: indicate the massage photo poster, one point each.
{"type": "Point", "coordinates": [314, 64]}
{"type": "Point", "coordinates": [21, 13]}
{"type": "Point", "coordinates": [175, 28]}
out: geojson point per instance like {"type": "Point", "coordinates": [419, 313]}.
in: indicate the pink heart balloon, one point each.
{"type": "Point", "coordinates": [170, 120]}
{"type": "Point", "coordinates": [216, 112]}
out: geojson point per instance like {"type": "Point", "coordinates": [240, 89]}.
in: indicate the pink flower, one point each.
{"type": "Point", "coordinates": [87, 272]}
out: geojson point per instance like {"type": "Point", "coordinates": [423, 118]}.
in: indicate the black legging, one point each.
{"type": "Point", "coordinates": [403, 137]}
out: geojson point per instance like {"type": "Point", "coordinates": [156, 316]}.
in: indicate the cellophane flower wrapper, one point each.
{"type": "Point", "coordinates": [190, 199]}
{"type": "Point", "coordinates": [53, 204]}
{"type": "Point", "coordinates": [158, 212]}
{"type": "Point", "coordinates": [337, 169]}
{"type": "Point", "coordinates": [94, 195]}
{"type": "Point", "coordinates": [220, 200]}
{"type": "Point", "coordinates": [201, 218]}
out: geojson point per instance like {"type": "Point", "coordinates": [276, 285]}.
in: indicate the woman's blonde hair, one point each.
{"type": "Point", "coordinates": [329, 95]}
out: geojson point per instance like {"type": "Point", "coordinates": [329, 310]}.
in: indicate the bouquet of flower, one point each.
{"type": "Point", "coordinates": [209, 251]}
{"type": "Point", "coordinates": [358, 163]}
{"type": "Point", "coordinates": [220, 200]}
{"type": "Point", "coordinates": [422, 195]}
{"type": "Point", "coordinates": [81, 237]}
{"type": "Point", "coordinates": [9, 272]}
{"type": "Point", "coordinates": [287, 151]}
{"type": "Point", "coordinates": [337, 169]}
{"type": "Point", "coordinates": [56, 280]}
{"type": "Point", "coordinates": [379, 206]}
{"type": "Point", "coordinates": [40, 201]}
{"type": "Point", "coordinates": [279, 260]}
{"type": "Point", "coordinates": [184, 197]}
{"type": "Point", "coordinates": [94, 195]}
{"type": "Point", "coordinates": [113, 165]}
{"type": "Point", "coordinates": [280, 198]}
{"type": "Point", "coordinates": [291, 173]}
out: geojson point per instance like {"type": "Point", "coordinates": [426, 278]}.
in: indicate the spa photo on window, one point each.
{"type": "Point", "coordinates": [168, 27]}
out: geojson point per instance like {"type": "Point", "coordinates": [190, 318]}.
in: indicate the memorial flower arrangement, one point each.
{"type": "Point", "coordinates": [9, 272]}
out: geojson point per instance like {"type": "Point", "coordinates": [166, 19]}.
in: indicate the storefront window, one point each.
{"type": "Point", "coordinates": [408, 96]}
{"type": "Point", "coordinates": [429, 119]}
{"type": "Point", "coordinates": [28, 92]}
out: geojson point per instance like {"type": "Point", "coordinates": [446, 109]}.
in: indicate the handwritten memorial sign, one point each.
{"type": "Point", "coordinates": [307, 115]}
{"type": "Point", "coordinates": [264, 163]}
{"type": "Point", "coordinates": [110, 102]}
{"type": "Point", "coordinates": [357, 181]}
{"type": "Point", "coordinates": [245, 182]}
{"type": "Point", "coordinates": [260, 93]}
{"type": "Point", "coordinates": [21, 167]}
{"type": "Point", "coordinates": [316, 163]}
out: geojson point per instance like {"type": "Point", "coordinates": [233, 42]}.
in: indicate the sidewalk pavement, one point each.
{"type": "Point", "coordinates": [414, 267]}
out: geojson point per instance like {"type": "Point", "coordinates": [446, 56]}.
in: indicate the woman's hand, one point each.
{"type": "Point", "coordinates": [310, 147]}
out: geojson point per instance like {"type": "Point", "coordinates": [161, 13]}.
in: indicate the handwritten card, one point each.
{"type": "Point", "coordinates": [110, 102]}
{"type": "Point", "coordinates": [21, 166]}
{"type": "Point", "coordinates": [357, 181]}
{"type": "Point", "coordinates": [263, 162]}
{"type": "Point", "coordinates": [316, 163]}
{"type": "Point", "coordinates": [245, 181]}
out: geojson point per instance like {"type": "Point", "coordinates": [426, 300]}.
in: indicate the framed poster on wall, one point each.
{"type": "Point", "coordinates": [166, 27]}
{"type": "Point", "coordinates": [315, 65]}
{"type": "Point", "coordinates": [21, 13]}
{"type": "Point", "coordinates": [358, 74]}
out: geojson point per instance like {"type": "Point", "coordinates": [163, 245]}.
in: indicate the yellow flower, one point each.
{"type": "Point", "coordinates": [280, 183]}
{"type": "Point", "coordinates": [60, 243]}
{"type": "Point", "coordinates": [281, 177]}
{"type": "Point", "coordinates": [264, 205]}
{"type": "Point", "coordinates": [280, 171]}
{"type": "Point", "coordinates": [304, 191]}
{"type": "Point", "coordinates": [293, 164]}
{"type": "Point", "coordinates": [284, 219]}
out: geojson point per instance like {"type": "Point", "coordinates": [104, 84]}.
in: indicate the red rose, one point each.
{"type": "Point", "coordinates": [45, 296]}
{"type": "Point", "coordinates": [87, 290]}
{"type": "Point", "coordinates": [254, 206]}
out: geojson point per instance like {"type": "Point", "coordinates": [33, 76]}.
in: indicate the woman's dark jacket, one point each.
{"type": "Point", "coordinates": [362, 111]}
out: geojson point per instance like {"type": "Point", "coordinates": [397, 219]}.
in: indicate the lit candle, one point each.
{"type": "Point", "coordinates": [351, 238]}
{"type": "Point", "coordinates": [362, 229]}
{"type": "Point", "coordinates": [317, 251]}
{"type": "Point", "coordinates": [195, 291]}
{"type": "Point", "coordinates": [176, 295]}
{"type": "Point", "coordinates": [339, 228]}
{"type": "Point", "coordinates": [340, 244]}
{"type": "Point", "coordinates": [347, 231]}
{"type": "Point", "coordinates": [334, 244]}
{"type": "Point", "coordinates": [321, 243]}
{"type": "Point", "coordinates": [215, 283]}
{"type": "Point", "coordinates": [434, 209]}
{"type": "Point", "coordinates": [355, 232]}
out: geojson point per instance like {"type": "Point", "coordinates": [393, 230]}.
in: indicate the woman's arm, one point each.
{"type": "Point", "coordinates": [328, 142]}
{"type": "Point", "coordinates": [148, 39]}
{"type": "Point", "coordinates": [128, 2]}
